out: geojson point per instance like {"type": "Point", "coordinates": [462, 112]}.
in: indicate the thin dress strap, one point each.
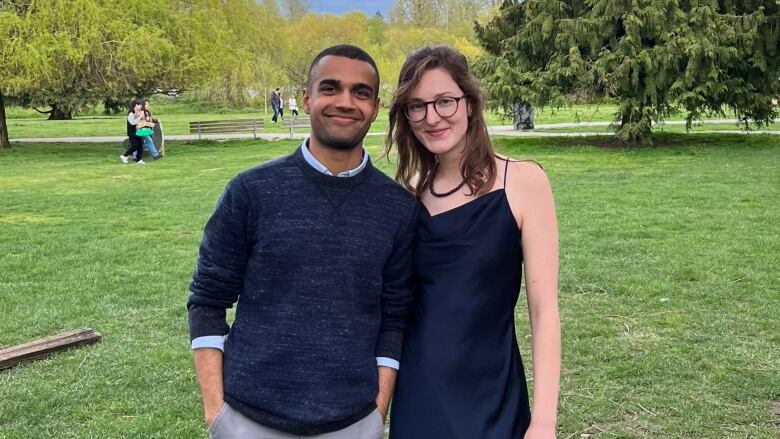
{"type": "Point", "coordinates": [506, 168]}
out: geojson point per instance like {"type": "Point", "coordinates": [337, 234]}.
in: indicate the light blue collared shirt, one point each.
{"type": "Point", "coordinates": [218, 341]}
{"type": "Point", "coordinates": [310, 159]}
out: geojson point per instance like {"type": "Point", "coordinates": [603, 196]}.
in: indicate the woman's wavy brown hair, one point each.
{"type": "Point", "coordinates": [415, 162]}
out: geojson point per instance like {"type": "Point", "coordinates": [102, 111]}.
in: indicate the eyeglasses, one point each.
{"type": "Point", "coordinates": [445, 106]}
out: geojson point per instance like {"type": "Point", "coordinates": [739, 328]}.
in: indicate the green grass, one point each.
{"type": "Point", "coordinates": [662, 128]}
{"type": "Point", "coordinates": [669, 284]}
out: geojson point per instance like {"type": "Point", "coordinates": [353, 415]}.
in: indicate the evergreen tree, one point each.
{"type": "Point", "coordinates": [651, 56]}
{"type": "Point", "coordinates": [376, 28]}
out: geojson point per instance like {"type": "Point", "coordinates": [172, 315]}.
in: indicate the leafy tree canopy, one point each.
{"type": "Point", "coordinates": [69, 54]}
{"type": "Point", "coordinates": [651, 56]}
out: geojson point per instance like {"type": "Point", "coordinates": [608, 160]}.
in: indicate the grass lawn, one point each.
{"type": "Point", "coordinates": [669, 285]}
{"type": "Point", "coordinates": [662, 128]}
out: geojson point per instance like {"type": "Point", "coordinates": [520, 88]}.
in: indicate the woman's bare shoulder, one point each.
{"type": "Point", "coordinates": [521, 173]}
{"type": "Point", "coordinates": [527, 188]}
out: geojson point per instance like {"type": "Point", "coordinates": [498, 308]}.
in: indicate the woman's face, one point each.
{"type": "Point", "coordinates": [439, 134]}
{"type": "Point", "coordinates": [146, 105]}
{"type": "Point", "coordinates": [137, 108]}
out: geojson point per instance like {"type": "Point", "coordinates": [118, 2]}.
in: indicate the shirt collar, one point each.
{"type": "Point", "coordinates": [314, 163]}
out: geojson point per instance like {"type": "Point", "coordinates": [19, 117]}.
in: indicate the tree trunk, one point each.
{"type": "Point", "coordinates": [635, 126]}
{"type": "Point", "coordinates": [58, 114]}
{"type": "Point", "coordinates": [4, 142]}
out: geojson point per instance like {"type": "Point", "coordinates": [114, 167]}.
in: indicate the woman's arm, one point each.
{"type": "Point", "coordinates": [531, 201]}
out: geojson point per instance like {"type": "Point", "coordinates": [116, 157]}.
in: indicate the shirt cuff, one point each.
{"type": "Point", "coordinates": [209, 341]}
{"type": "Point", "coordinates": [384, 361]}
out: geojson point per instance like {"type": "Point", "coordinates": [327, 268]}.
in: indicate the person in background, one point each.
{"type": "Point", "coordinates": [276, 103]}
{"type": "Point", "coordinates": [484, 216]}
{"type": "Point", "coordinates": [292, 104]}
{"type": "Point", "coordinates": [136, 149]}
{"type": "Point", "coordinates": [145, 121]}
{"type": "Point", "coordinates": [281, 105]}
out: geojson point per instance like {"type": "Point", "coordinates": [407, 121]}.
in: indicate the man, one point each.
{"type": "Point", "coordinates": [316, 249]}
{"type": "Point", "coordinates": [276, 104]}
{"type": "Point", "coordinates": [281, 103]}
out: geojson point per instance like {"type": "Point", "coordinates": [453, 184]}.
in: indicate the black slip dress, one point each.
{"type": "Point", "coordinates": [461, 374]}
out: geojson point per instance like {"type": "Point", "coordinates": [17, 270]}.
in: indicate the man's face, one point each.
{"type": "Point", "coordinates": [342, 101]}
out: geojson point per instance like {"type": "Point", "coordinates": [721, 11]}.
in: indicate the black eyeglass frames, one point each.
{"type": "Point", "coordinates": [445, 107]}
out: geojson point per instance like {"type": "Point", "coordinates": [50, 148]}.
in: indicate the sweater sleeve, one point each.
{"type": "Point", "coordinates": [219, 273]}
{"type": "Point", "coordinates": [397, 292]}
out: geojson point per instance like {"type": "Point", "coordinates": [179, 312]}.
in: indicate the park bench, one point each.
{"type": "Point", "coordinates": [293, 122]}
{"type": "Point", "coordinates": [226, 126]}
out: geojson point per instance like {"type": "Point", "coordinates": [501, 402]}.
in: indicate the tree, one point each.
{"type": "Point", "coordinates": [461, 14]}
{"type": "Point", "coordinates": [418, 13]}
{"type": "Point", "coordinates": [314, 33]}
{"type": "Point", "coordinates": [12, 76]}
{"type": "Point", "coordinates": [401, 41]}
{"type": "Point", "coordinates": [244, 59]}
{"type": "Point", "coordinates": [75, 63]}
{"type": "Point", "coordinates": [376, 28]}
{"type": "Point", "coordinates": [294, 10]}
{"type": "Point", "coordinates": [455, 17]}
{"type": "Point", "coordinates": [652, 57]}
{"type": "Point", "coordinates": [67, 55]}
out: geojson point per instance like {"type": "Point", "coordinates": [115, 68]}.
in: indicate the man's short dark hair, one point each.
{"type": "Point", "coordinates": [347, 51]}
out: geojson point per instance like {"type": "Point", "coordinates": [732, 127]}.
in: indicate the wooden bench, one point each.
{"type": "Point", "coordinates": [226, 126]}
{"type": "Point", "coordinates": [293, 122]}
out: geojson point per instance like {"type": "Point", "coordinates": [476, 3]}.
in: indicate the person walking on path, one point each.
{"type": "Point", "coordinates": [136, 149]}
{"type": "Point", "coordinates": [276, 104]}
{"type": "Point", "coordinates": [281, 105]}
{"type": "Point", "coordinates": [314, 248]}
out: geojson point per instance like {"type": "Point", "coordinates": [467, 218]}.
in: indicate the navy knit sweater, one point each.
{"type": "Point", "coordinates": [321, 269]}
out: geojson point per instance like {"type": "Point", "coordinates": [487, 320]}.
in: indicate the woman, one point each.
{"type": "Point", "coordinates": [461, 374]}
{"type": "Point", "coordinates": [136, 149]}
{"type": "Point", "coordinates": [281, 105]}
{"type": "Point", "coordinates": [148, 122]}
{"type": "Point", "coordinates": [292, 104]}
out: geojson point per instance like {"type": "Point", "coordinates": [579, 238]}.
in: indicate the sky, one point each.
{"type": "Point", "coordinates": [341, 6]}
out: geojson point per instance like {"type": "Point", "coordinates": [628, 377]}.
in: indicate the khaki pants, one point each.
{"type": "Point", "coordinates": [230, 424]}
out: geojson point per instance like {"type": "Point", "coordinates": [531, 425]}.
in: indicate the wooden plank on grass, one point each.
{"type": "Point", "coordinates": [45, 347]}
